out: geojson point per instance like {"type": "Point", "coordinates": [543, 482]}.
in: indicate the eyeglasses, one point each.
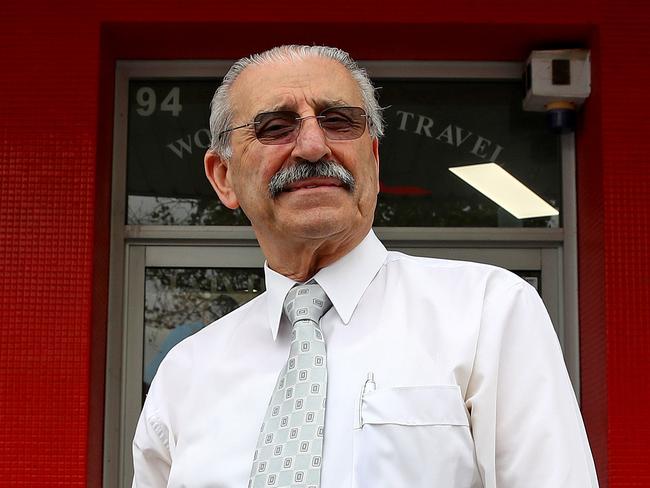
{"type": "Point", "coordinates": [283, 127]}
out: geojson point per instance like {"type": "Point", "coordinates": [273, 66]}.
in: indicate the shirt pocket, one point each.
{"type": "Point", "coordinates": [413, 436]}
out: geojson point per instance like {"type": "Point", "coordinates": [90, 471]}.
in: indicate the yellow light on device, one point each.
{"type": "Point", "coordinates": [504, 189]}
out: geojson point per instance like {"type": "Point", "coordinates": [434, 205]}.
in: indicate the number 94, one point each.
{"type": "Point", "coordinates": [146, 99]}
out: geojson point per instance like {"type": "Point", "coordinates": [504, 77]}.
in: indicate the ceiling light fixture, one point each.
{"type": "Point", "coordinates": [505, 190]}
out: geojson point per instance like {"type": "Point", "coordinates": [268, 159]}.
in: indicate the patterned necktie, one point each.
{"type": "Point", "coordinates": [289, 449]}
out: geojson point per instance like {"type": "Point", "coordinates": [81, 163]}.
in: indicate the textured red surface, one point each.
{"type": "Point", "coordinates": [625, 42]}
{"type": "Point", "coordinates": [55, 120]}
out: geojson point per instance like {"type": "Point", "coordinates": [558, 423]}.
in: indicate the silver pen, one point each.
{"type": "Point", "coordinates": [369, 385]}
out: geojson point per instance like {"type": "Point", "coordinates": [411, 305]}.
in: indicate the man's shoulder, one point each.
{"type": "Point", "coordinates": [452, 267]}
{"type": "Point", "coordinates": [197, 352]}
{"type": "Point", "coordinates": [216, 334]}
{"type": "Point", "coordinates": [450, 277]}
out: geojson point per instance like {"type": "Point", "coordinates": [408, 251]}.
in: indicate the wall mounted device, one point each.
{"type": "Point", "coordinates": [557, 82]}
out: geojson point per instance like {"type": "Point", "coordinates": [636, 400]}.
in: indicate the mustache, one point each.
{"type": "Point", "coordinates": [304, 169]}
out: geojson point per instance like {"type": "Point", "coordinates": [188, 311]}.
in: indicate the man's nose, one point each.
{"type": "Point", "coordinates": [311, 143]}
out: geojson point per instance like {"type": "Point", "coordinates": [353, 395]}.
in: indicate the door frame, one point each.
{"type": "Point", "coordinates": [557, 247]}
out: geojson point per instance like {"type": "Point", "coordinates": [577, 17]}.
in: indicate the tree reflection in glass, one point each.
{"type": "Point", "coordinates": [181, 301]}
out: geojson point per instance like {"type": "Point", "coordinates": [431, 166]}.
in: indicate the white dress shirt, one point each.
{"type": "Point", "coordinates": [470, 388]}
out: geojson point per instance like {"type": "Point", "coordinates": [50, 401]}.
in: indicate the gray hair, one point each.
{"type": "Point", "coordinates": [303, 170]}
{"type": "Point", "coordinates": [221, 114]}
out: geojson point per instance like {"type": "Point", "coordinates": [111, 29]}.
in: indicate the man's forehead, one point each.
{"type": "Point", "coordinates": [289, 84]}
{"type": "Point", "coordinates": [290, 103]}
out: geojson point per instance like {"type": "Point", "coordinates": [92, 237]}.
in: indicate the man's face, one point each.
{"type": "Point", "coordinates": [312, 209]}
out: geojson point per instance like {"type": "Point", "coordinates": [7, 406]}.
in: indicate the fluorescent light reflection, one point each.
{"type": "Point", "coordinates": [504, 189]}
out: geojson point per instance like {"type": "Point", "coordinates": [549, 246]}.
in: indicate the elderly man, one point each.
{"type": "Point", "coordinates": [357, 367]}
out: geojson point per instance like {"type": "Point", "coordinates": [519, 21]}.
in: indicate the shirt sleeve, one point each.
{"type": "Point", "coordinates": [156, 434]}
{"type": "Point", "coordinates": [525, 420]}
{"type": "Point", "coordinates": [151, 455]}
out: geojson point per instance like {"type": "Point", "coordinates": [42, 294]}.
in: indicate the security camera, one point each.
{"type": "Point", "coordinates": [557, 82]}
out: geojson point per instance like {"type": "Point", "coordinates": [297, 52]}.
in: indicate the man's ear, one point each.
{"type": "Point", "coordinates": [375, 153]}
{"type": "Point", "coordinates": [218, 172]}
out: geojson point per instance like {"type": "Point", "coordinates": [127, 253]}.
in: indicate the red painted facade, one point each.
{"type": "Point", "coordinates": [56, 117]}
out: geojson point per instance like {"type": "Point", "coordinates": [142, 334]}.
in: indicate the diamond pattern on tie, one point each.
{"type": "Point", "coordinates": [290, 446]}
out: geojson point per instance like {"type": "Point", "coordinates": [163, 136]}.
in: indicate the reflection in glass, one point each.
{"type": "Point", "coordinates": [181, 301]}
{"type": "Point", "coordinates": [433, 125]}
{"type": "Point", "coordinates": [150, 210]}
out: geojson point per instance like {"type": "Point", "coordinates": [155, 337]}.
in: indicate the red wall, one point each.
{"type": "Point", "coordinates": [55, 122]}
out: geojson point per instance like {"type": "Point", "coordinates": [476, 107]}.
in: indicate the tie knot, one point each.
{"type": "Point", "coordinates": [306, 302]}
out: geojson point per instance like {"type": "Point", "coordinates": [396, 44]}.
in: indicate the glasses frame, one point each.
{"type": "Point", "coordinates": [299, 119]}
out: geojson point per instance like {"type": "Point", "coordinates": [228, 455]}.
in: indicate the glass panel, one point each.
{"type": "Point", "coordinates": [181, 301]}
{"type": "Point", "coordinates": [436, 125]}
{"type": "Point", "coordinates": [168, 135]}
{"type": "Point", "coordinates": [432, 125]}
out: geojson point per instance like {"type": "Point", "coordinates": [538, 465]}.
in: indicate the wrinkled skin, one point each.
{"type": "Point", "coordinates": [316, 221]}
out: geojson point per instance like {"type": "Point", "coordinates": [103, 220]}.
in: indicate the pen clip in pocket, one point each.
{"type": "Point", "coordinates": [368, 386]}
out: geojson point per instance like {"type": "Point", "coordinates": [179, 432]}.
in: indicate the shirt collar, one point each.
{"type": "Point", "coordinates": [344, 281]}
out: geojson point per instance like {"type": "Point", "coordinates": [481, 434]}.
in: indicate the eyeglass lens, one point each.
{"type": "Point", "coordinates": [338, 123]}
